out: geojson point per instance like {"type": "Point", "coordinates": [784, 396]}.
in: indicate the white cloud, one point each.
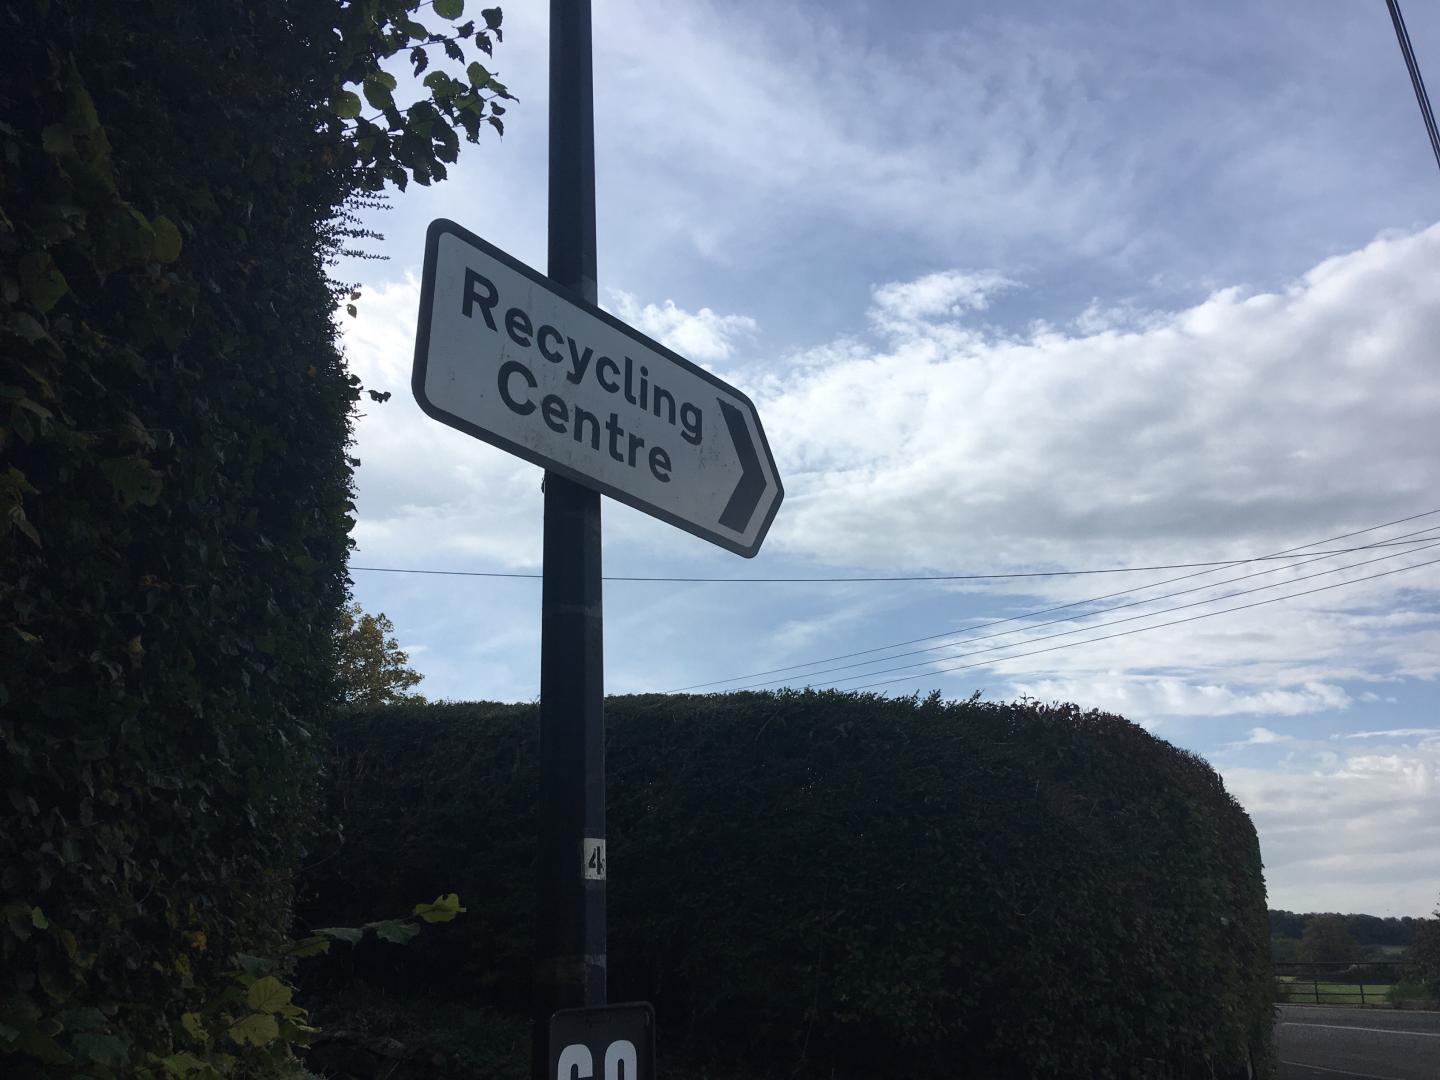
{"type": "Point", "coordinates": [1354, 832]}
{"type": "Point", "coordinates": [1242, 422]}
{"type": "Point", "coordinates": [948, 294]}
{"type": "Point", "coordinates": [1394, 733]}
{"type": "Point", "coordinates": [1148, 697]}
{"type": "Point", "coordinates": [699, 336]}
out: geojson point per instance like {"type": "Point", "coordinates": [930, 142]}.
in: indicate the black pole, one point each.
{"type": "Point", "coordinates": [570, 896]}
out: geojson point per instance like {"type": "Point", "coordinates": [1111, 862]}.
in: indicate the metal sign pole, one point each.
{"type": "Point", "coordinates": [570, 899]}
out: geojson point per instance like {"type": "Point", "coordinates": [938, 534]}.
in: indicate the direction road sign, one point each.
{"type": "Point", "coordinates": [506, 355]}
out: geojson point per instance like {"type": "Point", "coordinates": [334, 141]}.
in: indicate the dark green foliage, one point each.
{"type": "Point", "coordinates": [886, 887]}
{"type": "Point", "coordinates": [1422, 962]}
{"type": "Point", "coordinates": [174, 490]}
{"type": "Point", "coordinates": [1365, 929]}
{"type": "Point", "coordinates": [1326, 941]}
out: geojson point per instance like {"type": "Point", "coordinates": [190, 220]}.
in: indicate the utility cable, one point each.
{"type": "Point", "coordinates": [1128, 618]}
{"type": "Point", "coordinates": [1292, 552]}
{"type": "Point", "coordinates": [1402, 35]}
{"type": "Point", "coordinates": [1141, 629]}
{"type": "Point", "coordinates": [1303, 561]}
{"type": "Point", "coordinates": [1215, 563]}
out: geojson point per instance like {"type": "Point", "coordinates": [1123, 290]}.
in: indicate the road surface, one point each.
{"type": "Point", "coordinates": [1320, 1043]}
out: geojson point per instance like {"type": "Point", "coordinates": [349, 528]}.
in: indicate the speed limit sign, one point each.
{"type": "Point", "coordinates": [611, 1042]}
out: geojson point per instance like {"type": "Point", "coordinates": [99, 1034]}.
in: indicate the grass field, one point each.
{"type": "Point", "coordinates": [1298, 990]}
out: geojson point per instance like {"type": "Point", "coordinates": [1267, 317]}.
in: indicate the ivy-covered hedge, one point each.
{"type": "Point", "coordinates": [891, 887]}
{"type": "Point", "coordinates": [174, 488]}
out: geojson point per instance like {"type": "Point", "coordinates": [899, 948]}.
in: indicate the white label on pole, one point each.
{"type": "Point", "coordinates": [593, 853]}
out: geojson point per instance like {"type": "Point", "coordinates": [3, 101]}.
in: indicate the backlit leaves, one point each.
{"type": "Point", "coordinates": [443, 909]}
{"type": "Point", "coordinates": [257, 1029]}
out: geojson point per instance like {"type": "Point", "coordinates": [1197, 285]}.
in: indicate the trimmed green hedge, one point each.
{"type": "Point", "coordinates": [888, 886]}
{"type": "Point", "coordinates": [174, 487]}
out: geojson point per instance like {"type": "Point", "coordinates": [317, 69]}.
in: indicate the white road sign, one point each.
{"type": "Point", "coordinates": [504, 354]}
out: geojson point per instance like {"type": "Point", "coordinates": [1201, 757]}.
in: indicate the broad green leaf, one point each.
{"type": "Point", "coordinates": [101, 1049]}
{"type": "Point", "coordinates": [193, 1027]}
{"type": "Point", "coordinates": [26, 328]}
{"type": "Point", "coordinates": [443, 909]}
{"type": "Point", "coordinates": [257, 1029]}
{"type": "Point", "coordinates": [41, 281]}
{"type": "Point", "coordinates": [182, 1064]}
{"type": "Point", "coordinates": [38, 919]}
{"type": "Point", "coordinates": [346, 104]}
{"type": "Point", "coordinates": [477, 73]}
{"type": "Point", "coordinates": [342, 933]}
{"type": "Point", "coordinates": [267, 995]}
{"type": "Point", "coordinates": [56, 140]}
{"type": "Point", "coordinates": [30, 1040]}
{"type": "Point", "coordinates": [167, 240]}
{"type": "Point", "coordinates": [133, 479]}
{"type": "Point", "coordinates": [449, 9]}
{"type": "Point", "coordinates": [396, 932]}
{"type": "Point", "coordinates": [384, 78]}
{"type": "Point", "coordinates": [377, 94]}
{"type": "Point", "coordinates": [83, 117]}
{"type": "Point", "coordinates": [492, 17]}
{"type": "Point", "coordinates": [67, 941]}
{"type": "Point", "coordinates": [313, 945]}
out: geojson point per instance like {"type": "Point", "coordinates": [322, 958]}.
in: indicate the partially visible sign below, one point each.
{"type": "Point", "coordinates": [504, 354]}
{"type": "Point", "coordinates": [611, 1042]}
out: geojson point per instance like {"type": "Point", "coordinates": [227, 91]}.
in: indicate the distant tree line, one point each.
{"type": "Point", "coordinates": [1364, 930]}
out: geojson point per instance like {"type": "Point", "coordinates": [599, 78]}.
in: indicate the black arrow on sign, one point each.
{"type": "Point", "coordinates": [746, 495]}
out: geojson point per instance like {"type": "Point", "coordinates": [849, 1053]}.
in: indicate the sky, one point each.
{"type": "Point", "coordinates": [1016, 288]}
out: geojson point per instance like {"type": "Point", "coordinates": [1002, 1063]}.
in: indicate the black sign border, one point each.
{"type": "Point", "coordinates": [596, 1014]}
{"type": "Point", "coordinates": [441, 226]}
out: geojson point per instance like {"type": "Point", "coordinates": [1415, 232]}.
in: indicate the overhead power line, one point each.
{"type": "Point", "coordinates": [1142, 629]}
{"type": "Point", "coordinates": [1402, 35]}
{"type": "Point", "coordinates": [1214, 563]}
{"type": "Point", "coordinates": [1117, 622]}
{"type": "Point", "coordinates": [1305, 561]}
{"type": "Point", "coordinates": [1296, 552]}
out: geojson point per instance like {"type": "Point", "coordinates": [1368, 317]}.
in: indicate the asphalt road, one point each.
{"type": "Point", "coordinates": [1320, 1043]}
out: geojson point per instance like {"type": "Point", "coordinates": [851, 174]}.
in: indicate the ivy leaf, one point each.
{"type": "Point", "coordinates": [449, 9]}
{"type": "Point", "coordinates": [167, 240]}
{"type": "Point", "coordinates": [257, 1029]}
{"type": "Point", "coordinates": [346, 104]}
{"type": "Point", "coordinates": [443, 909]}
{"type": "Point", "coordinates": [396, 932]}
{"type": "Point", "coordinates": [267, 995]}
{"type": "Point", "coordinates": [41, 281]}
